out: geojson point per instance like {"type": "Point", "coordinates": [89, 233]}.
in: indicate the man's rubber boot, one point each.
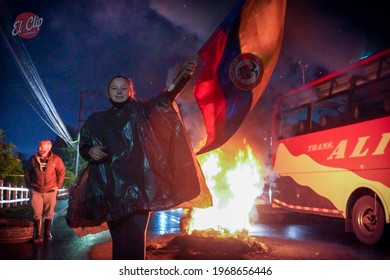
{"type": "Point", "coordinates": [48, 223]}
{"type": "Point", "coordinates": [38, 231]}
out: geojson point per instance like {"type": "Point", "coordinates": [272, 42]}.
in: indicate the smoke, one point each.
{"type": "Point", "coordinates": [200, 17]}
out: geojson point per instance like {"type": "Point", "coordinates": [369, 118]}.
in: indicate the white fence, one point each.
{"type": "Point", "coordinates": [12, 196]}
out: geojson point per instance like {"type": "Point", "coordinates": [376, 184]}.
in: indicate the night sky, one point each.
{"type": "Point", "coordinates": [81, 44]}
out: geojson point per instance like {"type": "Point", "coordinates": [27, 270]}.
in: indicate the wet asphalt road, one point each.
{"type": "Point", "coordinates": [293, 237]}
{"type": "Point", "coordinates": [66, 245]}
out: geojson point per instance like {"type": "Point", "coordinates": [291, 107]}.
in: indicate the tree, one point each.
{"type": "Point", "coordinates": [11, 167]}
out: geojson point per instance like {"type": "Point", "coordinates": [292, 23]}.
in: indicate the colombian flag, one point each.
{"type": "Point", "coordinates": [239, 59]}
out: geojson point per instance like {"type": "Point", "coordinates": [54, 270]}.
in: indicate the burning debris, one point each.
{"type": "Point", "coordinates": [203, 245]}
{"type": "Point", "coordinates": [221, 231]}
{"type": "Point", "coordinates": [200, 245]}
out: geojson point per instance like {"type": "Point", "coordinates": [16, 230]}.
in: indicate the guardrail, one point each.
{"type": "Point", "coordinates": [12, 196]}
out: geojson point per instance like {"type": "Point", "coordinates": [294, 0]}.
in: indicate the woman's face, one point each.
{"type": "Point", "coordinates": [119, 90]}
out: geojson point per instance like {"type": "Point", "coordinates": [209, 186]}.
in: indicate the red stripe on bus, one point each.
{"type": "Point", "coordinates": [306, 208]}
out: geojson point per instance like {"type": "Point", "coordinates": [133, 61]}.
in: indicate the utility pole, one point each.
{"type": "Point", "coordinates": [79, 120]}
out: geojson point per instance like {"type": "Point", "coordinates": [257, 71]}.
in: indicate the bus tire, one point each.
{"type": "Point", "coordinates": [368, 226]}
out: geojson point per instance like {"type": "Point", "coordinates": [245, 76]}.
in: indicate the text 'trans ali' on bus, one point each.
{"type": "Point", "coordinates": [331, 148]}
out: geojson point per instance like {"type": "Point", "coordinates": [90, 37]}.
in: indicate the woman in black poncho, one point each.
{"type": "Point", "coordinates": [140, 161]}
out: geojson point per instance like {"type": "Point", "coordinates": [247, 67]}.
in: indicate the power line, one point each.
{"type": "Point", "coordinates": [44, 107]}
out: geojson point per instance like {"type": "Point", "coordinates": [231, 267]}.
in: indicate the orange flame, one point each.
{"type": "Point", "coordinates": [234, 185]}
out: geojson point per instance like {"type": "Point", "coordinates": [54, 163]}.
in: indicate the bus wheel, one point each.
{"type": "Point", "coordinates": [368, 220]}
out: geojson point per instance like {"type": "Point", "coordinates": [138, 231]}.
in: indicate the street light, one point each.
{"type": "Point", "coordinates": [303, 69]}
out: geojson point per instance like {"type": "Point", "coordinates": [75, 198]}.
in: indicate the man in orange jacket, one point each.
{"type": "Point", "coordinates": [44, 175]}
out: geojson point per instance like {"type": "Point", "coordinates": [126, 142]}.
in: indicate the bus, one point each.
{"type": "Point", "coordinates": [331, 148]}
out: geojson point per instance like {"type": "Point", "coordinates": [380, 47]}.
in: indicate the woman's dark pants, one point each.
{"type": "Point", "coordinates": [129, 237]}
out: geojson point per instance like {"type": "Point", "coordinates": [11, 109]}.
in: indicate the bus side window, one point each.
{"type": "Point", "coordinates": [386, 104]}
{"type": "Point", "coordinates": [372, 100]}
{"type": "Point", "coordinates": [372, 107]}
{"type": "Point", "coordinates": [323, 121]}
{"type": "Point", "coordinates": [356, 112]}
{"type": "Point", "coordinates": [288, 129]}
{"type": "Point", "coordinates": [301, 127]}
{"type": "Point", "coordinates": [293, 122]}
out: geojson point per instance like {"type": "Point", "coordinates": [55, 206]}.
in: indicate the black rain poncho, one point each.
{"type": "Point", "coordinates": [151, 165]}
